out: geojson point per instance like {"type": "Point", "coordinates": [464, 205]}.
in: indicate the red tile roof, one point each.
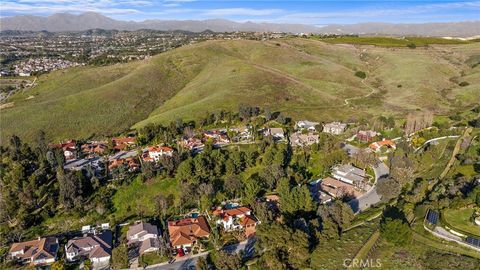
{"type": "Point", "coordinates": [33, 249]}
{"type": "Point", "coordinates": [186, 231]}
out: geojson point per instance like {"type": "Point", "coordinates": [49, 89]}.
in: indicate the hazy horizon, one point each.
{"type": "Point", "coordinates": [318, 13]}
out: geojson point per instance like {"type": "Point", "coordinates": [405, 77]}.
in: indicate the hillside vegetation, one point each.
{"type": "Point", "coordinates": [391, 41]}
{"type": "Point", "coordinates": [303, 77]}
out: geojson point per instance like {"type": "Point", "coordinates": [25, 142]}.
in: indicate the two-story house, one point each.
{"type": "Point", "coordinates": [97, 248]}
{"type": "Point", "coordinates": [40, 252]}
{"type": "Point", "coordinates": [239, 218]}
{"type": "Point", "coordinates": [145, 235]}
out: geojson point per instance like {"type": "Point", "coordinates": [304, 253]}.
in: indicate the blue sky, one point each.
{"type": "Point", "coordinates": [306, 12]}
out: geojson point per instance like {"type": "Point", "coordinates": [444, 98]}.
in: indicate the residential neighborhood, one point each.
{"type": "Point", "coordinates": [197, 228]}
{"type": "Point", "coordinates": [239, 135]}
{"type": "Point", "coordinates": [107, 159]}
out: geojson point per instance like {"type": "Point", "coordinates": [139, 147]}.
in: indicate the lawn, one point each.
{"type": "Point", "coordinates": [139, 197]}
{"type": "Point", "coordinates": [153, 258]}
{"type": "Point", "coordinates": [459, 219]}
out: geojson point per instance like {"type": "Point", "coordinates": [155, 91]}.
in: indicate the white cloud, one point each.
{"type": "Point", "coordinates": [74, 6]}
{"type": "Point", "coordinates": [372, 13]}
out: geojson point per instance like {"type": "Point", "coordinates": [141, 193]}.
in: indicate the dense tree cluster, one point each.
{"type": "Point", "coordinates": [34, 186]}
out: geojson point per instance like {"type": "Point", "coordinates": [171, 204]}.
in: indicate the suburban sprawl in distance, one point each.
{"type": "Point", "coordinates": [153, 149]}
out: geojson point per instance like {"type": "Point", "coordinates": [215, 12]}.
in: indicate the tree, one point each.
{"type": "Point", "coordinates": [201, 264]}
{"type": "Point", "coordinates": [252, 188]}
{"type": "Point", "coordinates": [87, 264]}
{"type": "Point", "coordinates": [226, 261]}
{"type": "Point", "coordinates": [396, 231]}
{"type": "Point", "coordinates": [120, 257]}
{"type": "Point", "coordinates": [388, 188]}
{"type": "Point", "coordinates": [294, 200]}
{"type": "Point", "coordinates": [361, 74]}
{"type": "Point", "coordinates": [71, 188]}
{"type": "Point", "coordinates": [147, 171]}
{"type": "Point", "coordinates": [364, 158]}
{"type": "Point", "coordinates": [286, 246]}
{"type": "Point", "coordinates": [335, 218]}
{"type": "Point", "coordinates": [58, 265]}
{"type": "Point", "coordinates": [162, 203]}
{"type": "Point", "coordinates": [268, 114]}
{"type": "Point", "coordinates": [233, 185]}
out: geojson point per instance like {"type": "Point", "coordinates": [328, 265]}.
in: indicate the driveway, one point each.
{"type": "Point", "coordinates": [371, 197]}
{"type": "Point", "coordinates": [189, 262]}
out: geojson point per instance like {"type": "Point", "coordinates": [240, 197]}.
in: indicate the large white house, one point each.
{"type": "Point", "coordinates": [335, 128]}
{"type": "Point", "coordinates": [156, 152]}
{"type": "Point", "coordinates": [276, 133]}
{"type": "Point", "coordinates": [239, 218]}
{"type": "Point", "coordinates": [305, 124]}
{"type": "Point", "coordinates": [348, 174]}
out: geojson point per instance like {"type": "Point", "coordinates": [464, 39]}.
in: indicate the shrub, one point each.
{"type": "Point", "coordinates": [412, 46]}
{"type": "Point", "coordinates": [361, 74]}
{"type": "Point", "coordinates": [396, 231]}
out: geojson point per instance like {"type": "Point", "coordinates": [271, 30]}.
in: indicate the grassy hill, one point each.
{"type": "Point", "coordinates": [303, 77]}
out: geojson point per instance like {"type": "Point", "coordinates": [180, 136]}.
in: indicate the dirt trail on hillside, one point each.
{"type": "Point", "coordinates": [292, 79]}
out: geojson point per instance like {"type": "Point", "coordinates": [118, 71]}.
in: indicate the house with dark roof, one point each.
{"type": "Point", "coordinates": [144, 235]}
{"type": "Point", "coordinates": [40, 252]}
{"type": "Point", "coordinates": [349, 174]}
{"type": "Point", "coordinates": [97, 248]}
{"type": "Point", "coordinates": [185, 233]}
{"type": "Point", "coordinates": [317, 193]}
{"type": "Point", "coordinates": [366, 135]}
{"type": "Point", "coordinates": [238, 218]}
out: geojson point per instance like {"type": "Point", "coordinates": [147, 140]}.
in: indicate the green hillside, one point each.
{"type": "Point", "coordinates": [303, 77]}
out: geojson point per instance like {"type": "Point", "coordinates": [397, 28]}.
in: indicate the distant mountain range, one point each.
{"type": "Point", "coordinates": [450, 29]}
{"type": "Point", "coordinates": [62, 22]}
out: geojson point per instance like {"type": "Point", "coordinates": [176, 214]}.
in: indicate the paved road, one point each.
{"type": "Point", "coordinates": [371, 197]}
{"type": "Point", "coordinates": [434, 140]}
{"type": "Point", "coordinates": [444, 234]}
{"type": "Point", "coordinates": [189, 262]}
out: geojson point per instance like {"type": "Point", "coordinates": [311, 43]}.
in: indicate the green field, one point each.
{"type": "Point", "coordinates": [460, 219]}
{"type": "Point", "coordinates": [139, 197]}
{"type": "Point", "coordinates": [304, 78]}
{"type": "Point", "coordinates": [391, 41]}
